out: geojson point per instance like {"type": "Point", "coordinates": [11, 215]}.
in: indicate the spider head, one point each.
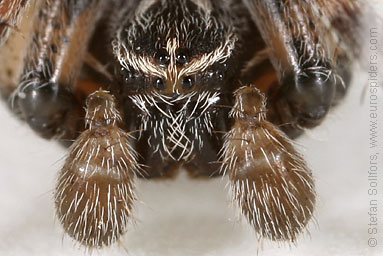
{"type": "Point", "coordinates": [173, 48]}
{"type": "Point", "coordinates": [172, 63]}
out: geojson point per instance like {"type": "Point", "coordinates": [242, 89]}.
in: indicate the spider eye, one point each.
{"type": "Point", "coordinates": [125, 74]}
{"type": "Point", "coordinates": [128, 74]}
{"type": "Point", "coordinates": [122, 71]}
{"type": "Point", "coordinates": [218, 72]}
{"type": "Point", "coordinates": [159, 84]}
{"type": "Point", "coordinates": [162, 58]}
{"type": "Point", "coordinates": [187, 83]}
{"type": "Point", "coordinates": [182, 57]}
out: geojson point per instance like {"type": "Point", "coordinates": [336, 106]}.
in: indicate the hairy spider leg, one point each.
{"type": "Point", "coordinates": [16, 18]}
{"type": "Point", "coordinates": [45, 94]}
{"type": "Point", "coordinates": [310, 49]}
{"type": "Point", "coordinates": [11, 12]}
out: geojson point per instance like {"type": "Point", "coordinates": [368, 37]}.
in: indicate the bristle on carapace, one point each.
{"type": "Point", "coordinates": [95, 190]}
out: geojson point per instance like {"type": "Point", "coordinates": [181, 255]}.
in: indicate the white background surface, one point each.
{"type": "Point", "coordinates": [194, 217]}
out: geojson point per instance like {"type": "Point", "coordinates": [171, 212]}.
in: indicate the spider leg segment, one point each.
{"type": "Point", "coordinates": [270, 181]}
{"type": "Point", "coordinates": [53, 62]}
{"type": "Point", "coordinates": [310, 50]}
{"type": "Point", "coordinates": [13, 48]}
{"type": "Point", "coordinates": [95, 191]}
{"type": "Point", "coordinates": [10, 13]}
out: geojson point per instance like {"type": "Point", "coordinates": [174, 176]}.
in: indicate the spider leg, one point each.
{"type": "Point", "coordinates": [270, 181]}
{"type": "Point", "coordinates": [15, 17]}
{"type": "Point", "coordinates": [11, 12]}
{"type": "Point", "coordinates": [45, 94]}
{"type": "Point", "coordinates": [310, 47]}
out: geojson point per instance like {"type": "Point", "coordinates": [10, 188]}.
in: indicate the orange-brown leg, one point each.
{"type": "Point", "coordinates": [11, 12]}
{"type": "Point", "coordinates": [15, 31]}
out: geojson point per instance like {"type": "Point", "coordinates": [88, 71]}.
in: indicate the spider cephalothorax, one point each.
{"type": "Point", "coordinates": [198, 83]}
{"type": "Point", "coordinates": [173, 62]}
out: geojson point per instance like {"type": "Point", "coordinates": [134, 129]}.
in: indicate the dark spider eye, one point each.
{"type": "Point", "coordinates": [217, 71]}
{"type": "Point", "coordinates": [182, 57]}
{"type": "Point", "coordinates": [128, 75]}
{"type": "Point", "coordinates": [159, 84]}
{"type": "Point", "coordinates": [122, 71]}
{"type": "Point", "coordinates": [162, 57]}
{"type": "Point", "coordinates": [187, 83]}
{"type": "Point", "coordinates": [219, 74]}
{"type": "Point", "coordinates": [125, 74]}
{"type": "Point", "coordinates": [216, 74]}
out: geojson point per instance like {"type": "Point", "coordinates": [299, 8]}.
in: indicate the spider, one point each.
{"type": "Point", "coordinates": [145, 87]}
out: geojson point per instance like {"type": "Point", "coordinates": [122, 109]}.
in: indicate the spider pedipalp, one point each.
{"type": "Point", "coordinates": [269, 180]}
{"type": "Point", "coordinates": [95, 189]}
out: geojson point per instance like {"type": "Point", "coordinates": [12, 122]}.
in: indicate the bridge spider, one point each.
{"type": "Point", "coordinates": [212, 86]}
